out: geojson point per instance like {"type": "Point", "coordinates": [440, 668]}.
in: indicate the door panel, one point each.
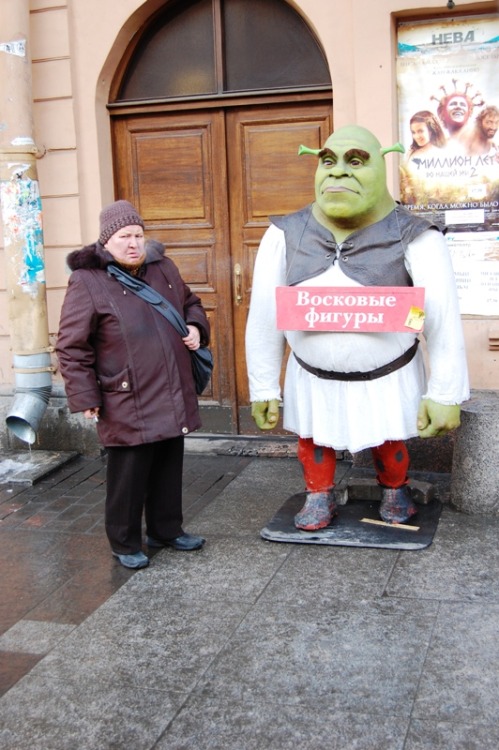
{"type": "Point", "coordinates": [205, 183]}
{"type": "Point", "coordinates": [266, 177]}
{"type": "Point", "coordinates": [169, 166]}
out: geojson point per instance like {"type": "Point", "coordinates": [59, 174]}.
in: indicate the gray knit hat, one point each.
{"type": "Point", "coordinates": [116, 216]}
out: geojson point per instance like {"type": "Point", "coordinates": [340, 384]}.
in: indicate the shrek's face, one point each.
{"type": "Point", "coordinates": [350, 181]}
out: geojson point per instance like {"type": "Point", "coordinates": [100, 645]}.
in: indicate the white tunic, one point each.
{"type": "Point", "coordinates": [354, 415]}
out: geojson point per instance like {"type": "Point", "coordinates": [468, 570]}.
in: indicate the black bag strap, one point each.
{"type": "Point", "coordinates": [147, 293]}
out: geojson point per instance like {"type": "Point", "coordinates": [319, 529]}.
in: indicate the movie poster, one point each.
{"type": "Point", "coordinates": [448, 95]}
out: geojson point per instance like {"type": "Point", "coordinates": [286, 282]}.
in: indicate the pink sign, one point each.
{"type": "Point", "coordinates": [361, 309]}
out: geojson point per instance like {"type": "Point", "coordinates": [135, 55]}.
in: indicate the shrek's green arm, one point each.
{"type": "Point", "coordinates": [437, 419]}
{"type": "Point", "coordinates": [265, 413]}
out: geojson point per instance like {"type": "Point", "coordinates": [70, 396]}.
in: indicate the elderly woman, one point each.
{"type": "Point", "coordinates": [125, 366]}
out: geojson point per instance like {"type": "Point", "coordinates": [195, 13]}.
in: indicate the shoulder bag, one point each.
{"type": "Point", "coordinates": [202, 358]}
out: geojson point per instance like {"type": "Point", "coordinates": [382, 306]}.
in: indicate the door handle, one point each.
{"type": "Point", "coordinates": [238, 283]}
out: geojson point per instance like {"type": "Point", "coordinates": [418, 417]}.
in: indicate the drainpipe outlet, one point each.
{"type": "Point", "coordinates": [33, 388]}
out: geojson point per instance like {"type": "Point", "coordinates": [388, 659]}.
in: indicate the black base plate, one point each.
{"type": "Point", "coordinates": [348, 530]}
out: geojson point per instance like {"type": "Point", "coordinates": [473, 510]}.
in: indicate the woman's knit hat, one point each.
{"type": "Point", "coordinates": [116, 216]}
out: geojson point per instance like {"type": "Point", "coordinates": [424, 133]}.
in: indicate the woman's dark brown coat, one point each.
{"type": "Point", "coordinates": [116, 352]}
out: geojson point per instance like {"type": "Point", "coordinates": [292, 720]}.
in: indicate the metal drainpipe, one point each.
{"type": "Point", "coordinates": [21, 212]}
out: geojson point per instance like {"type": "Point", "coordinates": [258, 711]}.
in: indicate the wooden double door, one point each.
{"type": "Point", "coordinates": [206, 182]}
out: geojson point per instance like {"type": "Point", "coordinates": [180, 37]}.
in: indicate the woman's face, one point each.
{"type": "Point", "coordinates": [127, 244]}
{"type": "Point", "coordinates": [420, 134]}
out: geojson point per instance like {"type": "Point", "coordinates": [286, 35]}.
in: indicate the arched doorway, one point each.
{"type": "Point", "coordinates": [207, 113]}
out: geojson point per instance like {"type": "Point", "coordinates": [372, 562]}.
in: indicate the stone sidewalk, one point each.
{"type": "Point", "coordinates": [246, 644]}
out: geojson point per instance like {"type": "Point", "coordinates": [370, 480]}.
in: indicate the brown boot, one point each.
{"type": "Point", "coordinates": [318, 511]}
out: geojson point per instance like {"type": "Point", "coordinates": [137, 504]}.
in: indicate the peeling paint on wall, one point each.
{"type": "Point", "coordinates": [17, 48]}
{"type": "Point", "coordinates": [22, 220]}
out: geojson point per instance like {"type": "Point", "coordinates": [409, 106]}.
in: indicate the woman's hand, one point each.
{"type": "Point", "coordinates": [92, 413]}
{"type": "Point", "coordinates": [192, 340]}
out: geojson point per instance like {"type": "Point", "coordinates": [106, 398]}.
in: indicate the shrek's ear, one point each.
{"type": "Point", "coordinates": [304, 150]}
{"type": "Point", "coordinates": [396, 147]}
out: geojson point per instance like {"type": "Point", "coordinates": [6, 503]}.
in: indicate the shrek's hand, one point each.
{"type": "Point", "coordinates": [265, 413]}
{"type": "Point", "coordinates": [437, 419]}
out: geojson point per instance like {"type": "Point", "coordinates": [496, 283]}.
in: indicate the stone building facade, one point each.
{"type": "Point", "coordinates": [180, 108]}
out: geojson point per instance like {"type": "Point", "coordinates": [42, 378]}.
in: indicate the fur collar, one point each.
{"type": "Point", "coordinates": [96, 256]}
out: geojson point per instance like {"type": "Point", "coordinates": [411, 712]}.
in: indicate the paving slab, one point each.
{"type": "Point", "coordinates": [275, 725]}
{"type": "Point", "coordinates": [245, 644]}
{"type": "Point", "coordinates": [30, 466]}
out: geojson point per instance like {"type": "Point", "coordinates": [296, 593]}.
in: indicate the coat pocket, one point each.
{"type": "Point", "coordinates": [119, 383]}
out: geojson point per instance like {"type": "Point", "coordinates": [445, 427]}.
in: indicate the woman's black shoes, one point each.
{"type": "Point", "coordinates": [136, 560]}
{"type": "Point", "coordinates": [185, 542]}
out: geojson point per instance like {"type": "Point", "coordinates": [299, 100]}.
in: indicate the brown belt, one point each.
{"type": "Point", "coordinates": [372, 375]}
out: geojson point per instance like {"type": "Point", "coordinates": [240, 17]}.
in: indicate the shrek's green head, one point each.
{"type": "Point", "coordinates": [350, 181]}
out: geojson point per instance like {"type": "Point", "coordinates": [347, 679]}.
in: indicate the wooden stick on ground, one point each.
{"type": "Point", "coordinates": [403, 526]}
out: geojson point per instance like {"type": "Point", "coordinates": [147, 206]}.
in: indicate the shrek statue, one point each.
{"type": "Point", "coordinates": [355, 390]}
